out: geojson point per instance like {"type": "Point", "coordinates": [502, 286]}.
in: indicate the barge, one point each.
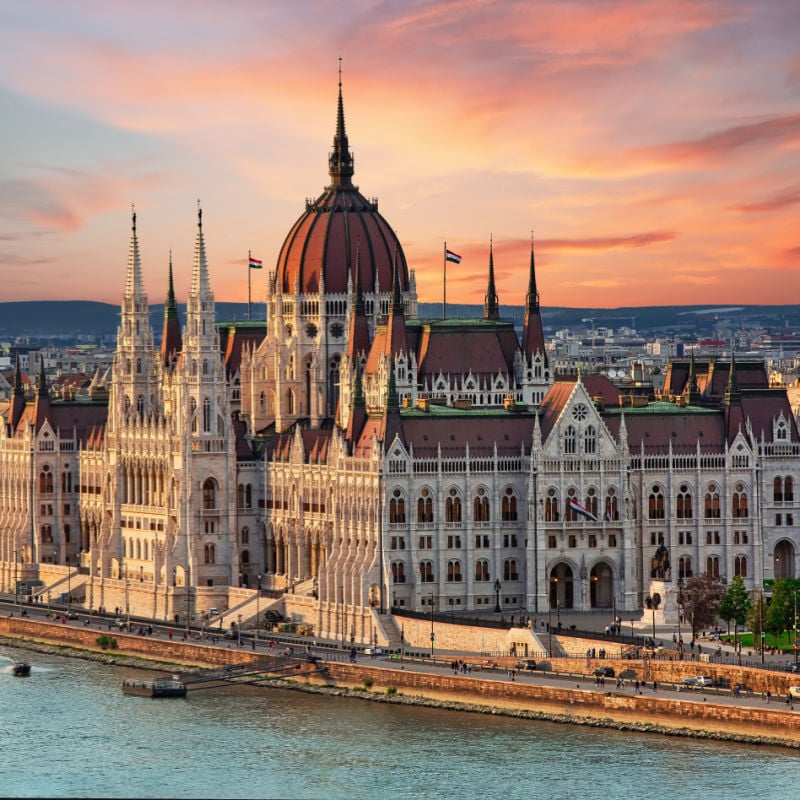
{"type": "Point", "coordinates": [160, 687]}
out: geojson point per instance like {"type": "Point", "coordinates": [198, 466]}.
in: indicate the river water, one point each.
{"type": "Point", "coordinates": [68, 731]}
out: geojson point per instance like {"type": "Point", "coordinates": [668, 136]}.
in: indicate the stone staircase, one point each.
{"type": "Point", "coordinates": [247, 608]}
{"type": "Point", "coordinates": [75, 583]}
{"type": "Point", "coordinates": [388, 625]}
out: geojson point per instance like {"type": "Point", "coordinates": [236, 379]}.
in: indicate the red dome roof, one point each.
{"type": "Point", "coordinates": [338, 225]}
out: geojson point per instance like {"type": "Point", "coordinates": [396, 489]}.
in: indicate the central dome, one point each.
{"type": "Point", "coordinates": [339, 229]}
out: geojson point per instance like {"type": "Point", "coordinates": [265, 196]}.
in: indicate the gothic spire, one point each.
{"type": "Point", "coordinates": [17, 405]}
{"type": "Point", "coordinates": [491, 308]}
{"type": "Point", "coordinates": [358, 341]}
{"type": "Point", "coordinates": [171, 335]}
{"type": "Point", "coordinates": [200, 283]}
{"type": "Point", "coordinates": [532, 299]}
{"type": "Point", "coordinates": [532, 331]}
{"type": "Point", "coordinates": [396, 340]}
{"type": "Point", "coordinates": [340, 161]}
{"type": "Point", "coordinates": [41, 402]}
{"type": "Point", "coordinates": [134, 285]}
{"type": "Point", "coordinates": [732, 389]}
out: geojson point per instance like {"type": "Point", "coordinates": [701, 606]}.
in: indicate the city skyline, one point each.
{"type": "Point", "coordinates": [634, 139]}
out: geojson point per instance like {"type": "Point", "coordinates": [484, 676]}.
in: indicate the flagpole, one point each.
{"type": "Point", "coordinates": [249, 313]}
{"type": "Point", "coordinates": [444, 282]}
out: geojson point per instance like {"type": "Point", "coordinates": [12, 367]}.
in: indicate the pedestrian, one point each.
{"type": "Point", "coordinates": [636, 685]}
{"type": "Point", "coordinates": [655, 686]}
{"type": "Point", "coordinates": [769, 696]}
{"type": "Point", "coordinates": [169, 633]}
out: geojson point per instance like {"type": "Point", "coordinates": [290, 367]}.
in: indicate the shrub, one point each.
{"type": "Point", "coordinates": [367, 683]}
{"type": "Point", "coordinates": [107, 642]}
{"type": "Point", "coordinates": [390, 690]}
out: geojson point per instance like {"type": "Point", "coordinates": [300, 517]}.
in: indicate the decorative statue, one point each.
{"type": "Point", "coordinates": [659, 563]}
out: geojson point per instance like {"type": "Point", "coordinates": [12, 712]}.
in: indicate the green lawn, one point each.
{"type": "Point", "coordinates": [783, 641]}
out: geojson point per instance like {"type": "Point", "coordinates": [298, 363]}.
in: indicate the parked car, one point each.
{"type": "Point", "coordinates": [70, 614]}
{"type": "Point", "coordinates": [488, 663]}
{"type": "Point", "coordinates": [794, 692]}
{"type": "Point", "coordinates": [603, 672]}
{"type": "Point", "coordinates": [697, 680]}
{"type": "Point", "coordinates": [525, 663]}
{"type": "Point", "coordinates": [373, 651]}
{"type": "Point", "coordinates": [792, 666]}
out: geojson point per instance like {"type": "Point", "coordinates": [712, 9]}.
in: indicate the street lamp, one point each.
{"type": "Point", "coordinates": [258, 603]}
{"type": "Point", "coordinates": [433, 635]}
{"type": "Point", "coordinates": [16, 580]}
{"type": "Point", "coordinates": [795, 624]}
{"type": "Point", "coordinates": [127, 605]}
{"type": "Point", "coordinates": [653, 609]}
{"type": "Point", "coordinates": [497, 587]}
{"type": "Point", "coordinates": [239, 631]}
{"type": "Point", "coordinates": [69, 585]}
{"type": "Point", "coordinates": [558, 605]}
{"type": "Point", "coordinates": [680, 614]}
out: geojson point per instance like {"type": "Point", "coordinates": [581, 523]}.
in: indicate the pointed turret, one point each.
{"type": "Point", "coordinates": [691, 392]}
{"type": "Point", "coordinates": [17, 405]}
{"type": "Point", "coordinates": [201, 287]}
{"type": "Point", "coordinates": [396, 341]}
{"type": "Point", "coordinates": [171, 336]}
{"type": "Point", "coordinates": [134, 286]}
{"type": "Point", "coordinates": [532, 332]}
{"type": "Point", "coordinates": [732, 393]}
{"type": "Point", "coordinates": [135, 356]}
{"type": "Point", "coordinates": [358, 409]}
{"type": "Point", "coordinates": [358, 341]}
{"type": "Point", "coordinates": [41, 403]}
{"type": "Point", "coordinates": [491, 306]}
{"type": "Point", "coordinates": [340, 161]}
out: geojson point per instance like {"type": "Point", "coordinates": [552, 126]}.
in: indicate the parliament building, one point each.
{"type": "Point", "coordinates": [346, 459]}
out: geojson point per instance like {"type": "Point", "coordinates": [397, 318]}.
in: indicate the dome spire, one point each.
{"type": "Point", "coordinates": [340, 161]}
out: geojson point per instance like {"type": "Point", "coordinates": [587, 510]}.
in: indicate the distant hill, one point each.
{"type": "Point", "coordinates": [72, 319]}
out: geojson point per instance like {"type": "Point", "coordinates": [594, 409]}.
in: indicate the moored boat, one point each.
{"type": "Point", "coordinates": [21, 669]}
{"type": "Point", "coordinates": [160, 687]}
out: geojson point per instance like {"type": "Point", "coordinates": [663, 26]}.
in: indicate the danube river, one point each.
{"type": "Point", "coordinates": [68, 731]}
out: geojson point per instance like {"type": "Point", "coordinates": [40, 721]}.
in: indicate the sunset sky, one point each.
{"type": "Point", "coordinates": [653, 148]}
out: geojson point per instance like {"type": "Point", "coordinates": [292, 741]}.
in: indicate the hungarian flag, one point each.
{"type": "Point", "coordinates": [449, 255]}
{"type": "Point", "coordinates": [579, 509]}
{"type": "Point", "coordinates": [255, 263]}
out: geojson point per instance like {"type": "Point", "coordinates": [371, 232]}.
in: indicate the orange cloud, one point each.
{"type": "Point", "coordinates": [788, 197]}
{"type": "Point", "coordinates": [608, 242]}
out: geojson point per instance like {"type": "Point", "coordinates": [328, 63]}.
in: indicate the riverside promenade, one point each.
{"type": "Point", "coordinates": [565, 690]}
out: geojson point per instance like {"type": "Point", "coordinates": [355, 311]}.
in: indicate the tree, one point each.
{"type": "Point", "coordinates": [780, 612]}
{"type": "Point", "coordinates": [735, 605]}
{"type": "Point", "coordinates": [757, 619]}
{"type": "Point", "coordinates": [701, 601]}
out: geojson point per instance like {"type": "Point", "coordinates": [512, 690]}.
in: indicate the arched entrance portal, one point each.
{"type": "Point", "coordinates": [783, 560]}
{"type": "Point", "coordinates": [561, 590]}
{"type": "Point", "coordinates": [601, 586]}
